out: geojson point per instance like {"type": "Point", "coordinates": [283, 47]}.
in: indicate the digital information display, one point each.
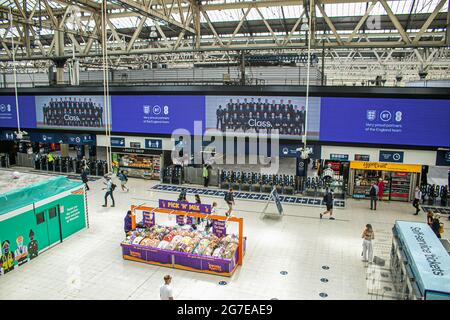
{"type": "Point", "coordinates": [156, 114]}
{"type": "Point", "coordinates": [70, 112]}
{"type": "Point", "coordinates": [8, 112]}
{"type": "Point", "coordinates": [415, 122]}
{"type": "Point", "coordinates": [247, 115]}
{"type": "Point", "coordinates": [391, 121]}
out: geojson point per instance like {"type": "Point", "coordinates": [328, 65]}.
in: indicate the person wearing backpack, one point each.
{"type": "Point", "coordinates": [328, 199]}
{"type": "Point", "coordinates": [123, 181]}
{"type": "Point", "coordinates": [229, 199]}
{"type": "Point", "coordinates": [373, 196]}
{"type": "Point", "coordinates": [110, 186]}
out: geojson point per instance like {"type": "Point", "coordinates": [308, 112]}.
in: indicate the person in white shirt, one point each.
{"type": "Point", "coordinates": [417, 197]}
{"type": "Point", "coordinates": [166, 292]}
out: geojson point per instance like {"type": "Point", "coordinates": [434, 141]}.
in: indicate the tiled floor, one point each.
{"type": "Point", "coordinates": [89, 265]}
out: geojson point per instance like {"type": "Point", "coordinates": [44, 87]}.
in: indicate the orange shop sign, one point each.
{"type": "Point", "coordinates": [384, 166]}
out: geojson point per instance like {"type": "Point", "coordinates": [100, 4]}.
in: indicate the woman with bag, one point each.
{"type": "Point", "coordinates": [368, 235]}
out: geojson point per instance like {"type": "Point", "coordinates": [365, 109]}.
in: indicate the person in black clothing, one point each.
{"type": "Point", "coordinates": [436, 225]}
{"type": "Point", "coordinates": [229, 199]}
{"type": "Point", "coordinates": [182, 195]}
{"type": "Point", "coordinates": [328, 199]}
{"type": "Point", "coordinates": [373, 197]}
{"type": "Point", "coordinates": [84, 178]}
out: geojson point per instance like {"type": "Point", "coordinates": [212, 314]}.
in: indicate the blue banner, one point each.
{"type": "Point", "coordinates": [391, 156]}
{"type": "Point", "coordinates": [8, 112]}
{"type": "Point", "coordinates": [153, 144]}
{"type": "Point", "coordinates": [76, 139]}
{"type": "Point", "coordinates": [421, 122]}
{"type": "Point", "coordinates": [157, 114]}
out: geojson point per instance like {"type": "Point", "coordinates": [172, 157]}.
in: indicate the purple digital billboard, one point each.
{"type": "Point", "coordinates": [157, 114]}
{"type": "Point", "coordinates": [417, 122]}
{"type": "Point", "coordinates": [8, 113]}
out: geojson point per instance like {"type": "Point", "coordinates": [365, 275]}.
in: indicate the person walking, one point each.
{"type": "Point", "coordinates": [123, 181]}
{"type": "Point", "coordinates": [373, 192]}
{"type": "Point", "coordinates": [84, 178]}
{"type": "Point", "coordinates": [436, 225]}
{"type": "Point", "coordinates": [368, 235]}
{"type": "Point", "coordinates": [166, 291]}
{"type": "Point", "coordinates": [229, 199]}
{"type": "Point", "coordinates": [416, 201]}
{"type": "Point", "coordinates": [84, 164]}
{"type": "Point", "coordinates": [380, 189]}
{"type": "Point", "coordinates": [182, 195]}
{"type": "Point", "coordinates": [430, 217]}
{"type": "Point", "coordinates": [205, 174]}
{"type": "Point", "coordinates": [127, 223]}
{"type": "Point", "coordinates": [328, 199]}
{"type": "Point", "coordinates": [110, 186]}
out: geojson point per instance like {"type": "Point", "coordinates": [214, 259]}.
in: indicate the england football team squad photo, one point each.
{"type": "Point", "coordinates": [285, 116]}
{"type": "Point", "coordinates": [70, 112]}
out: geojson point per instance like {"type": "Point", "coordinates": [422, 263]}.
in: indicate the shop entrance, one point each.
{"type": "Point", "coordinates": [49, 224]}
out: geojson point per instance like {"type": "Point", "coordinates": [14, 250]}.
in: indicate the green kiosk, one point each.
{"type": "Point", "coordinates": [37, 217]}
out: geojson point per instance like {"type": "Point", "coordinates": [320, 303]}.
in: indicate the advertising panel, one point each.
{"type": "Point", "coordinates": [70, 112]}
{"type": "Point", "coordinates": [250, 115]}
{"type": "Point", "coordinates": [417, 122]}
{"type": "Point", "coordinates": [156, 114]}
{"type": "Point", "coordinates": [8, 112]}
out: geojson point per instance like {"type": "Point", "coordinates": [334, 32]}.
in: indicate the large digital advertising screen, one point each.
{"type": "Point", "coordinates": [70, 112]}
{"type": "Point", "coordinates": [157, 114]}
{"type": "Point", "coordinates": [8, 112]}
{"type": "Point", "coordinates": [416, 122]}
{"type": "Point", "coordinates": [251, 115]}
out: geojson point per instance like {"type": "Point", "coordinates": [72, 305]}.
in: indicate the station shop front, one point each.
{"type": "Point", "coordinates": [399, 180]}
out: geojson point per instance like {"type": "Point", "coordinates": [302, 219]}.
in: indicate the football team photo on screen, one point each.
{"type": "Point", "coordinates": [70, 112]}
{"type": "Point", "coordinates": [259, 115]}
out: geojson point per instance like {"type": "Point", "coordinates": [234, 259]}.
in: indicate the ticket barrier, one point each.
{"type": "Point", "coordinates": [4, 160]}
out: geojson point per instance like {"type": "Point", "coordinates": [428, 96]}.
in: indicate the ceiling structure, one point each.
{"type": "Point", "coordinates": [355, 40]}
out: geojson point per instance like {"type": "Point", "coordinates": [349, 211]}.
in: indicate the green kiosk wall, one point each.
{"type": "Point", "coordinates": [34, 218]}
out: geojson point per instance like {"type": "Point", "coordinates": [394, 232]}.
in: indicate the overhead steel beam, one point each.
{"type": "Point", "coordinates": [429, 20]}
{"type": "Point", "coordinates": [154, 14]}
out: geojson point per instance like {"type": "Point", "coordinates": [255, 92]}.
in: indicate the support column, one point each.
{"type": "Point", "coordinates": [64, 150]}
{"type": "Point", "coordinates": [243, 80]}
{"type": "Point", "coordinates": [59, 49]}
{"type": "Point", "coordinates": [86, 151]}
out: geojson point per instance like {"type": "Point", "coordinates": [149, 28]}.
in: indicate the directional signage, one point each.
{"type": "Point", "coordinates": [339, 157]}
{"type": "Point", "coordinates": [391, 156]}
{"type": "Point", "coordinates": [153, 143]}
{"type": "Point", "coordinates": [117, 142]}
{"type": "Point", "coordinates": [7, 135]}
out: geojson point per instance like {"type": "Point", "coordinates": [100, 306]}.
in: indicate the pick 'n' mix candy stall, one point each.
{"type": "Point", "coordinates": [191, 239]}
